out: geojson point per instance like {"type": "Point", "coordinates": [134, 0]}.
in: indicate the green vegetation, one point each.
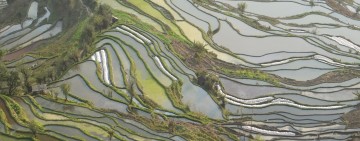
{"type": "Point", "coordinates": [357, 93]}
{"type": "Point", "coordinates": [174, 93]}
{"type": "Point", "coordinates": [28, 81]}
{"type": "Point", "coordinates": [111, 134]}
{"type": "Point", "coordinates": [35, 127]}
{"type": "Point", "coordinates": [200, 50]}
{"type": "Point", "coordinates": [312, 3]}
{"type": "Point", "coordinates": [251, 74]}
{"type": "Point", "coordinates": [207, 80]}
{"type": "Point", "coordinates": [75, 45]}
{"type": "Point", "coordinates": [257, 138]}
{"type": "Point", "coordinates": [78, 47]}
{"type": "Point", "coordinates": [138, 103]}
{"type": "Point", "coordinates": [241, 7]}
{"type": "Point", "coordinates": [13, 82]}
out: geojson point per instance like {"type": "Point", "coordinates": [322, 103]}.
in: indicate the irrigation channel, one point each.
{"type": "Point", "coordinates": [299, 42]}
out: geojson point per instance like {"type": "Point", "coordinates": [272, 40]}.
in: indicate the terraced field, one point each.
{"type": "Point", "coordinates": [189, 70]}
{"type": "Point", "coordinates": [3, 3]}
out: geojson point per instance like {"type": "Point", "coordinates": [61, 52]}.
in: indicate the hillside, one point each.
{"type": "Point", "coordinates": [196, 70]}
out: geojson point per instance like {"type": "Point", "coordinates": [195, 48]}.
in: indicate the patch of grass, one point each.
{"type": "Point", "coordinates": [251, 74]}
{"type": "Point", "coordinates": [175, 95]}
{"type": "Point", "coordinates": [147, 8]}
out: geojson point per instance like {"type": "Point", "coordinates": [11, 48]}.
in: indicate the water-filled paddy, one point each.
{"type": "Point", "coordinates": [282, 70]}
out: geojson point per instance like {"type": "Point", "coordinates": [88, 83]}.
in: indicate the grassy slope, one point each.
{"type": "Point", "coordinates": [147, 8]}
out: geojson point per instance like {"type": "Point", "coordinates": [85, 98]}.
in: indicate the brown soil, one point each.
{"type": "Point", "coordinates": [19, 53]}
{"type": "Point", "coordinates": [206, 62]}
{"type": "Point", "coordinates": [330, 77]}
{"type": "Point", "coordinates": [342, 9]}
{"type": "Point", "coordinates": [352, 118]}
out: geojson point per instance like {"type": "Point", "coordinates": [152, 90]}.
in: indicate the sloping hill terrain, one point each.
{"type": "Point", "coordinates": [179, 70]}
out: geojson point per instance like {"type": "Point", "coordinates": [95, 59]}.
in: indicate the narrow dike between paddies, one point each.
{"type": "Point", "coordinates": [267, 101]}
{"type": "Point", "coordinates": [124, 128]}
{"type": "Point", "coordinates": [164, 70]}
{"type": "Point", "coordinates": [188, 97]}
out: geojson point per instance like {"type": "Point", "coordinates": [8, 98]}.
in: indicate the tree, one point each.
{"type": "Point", "coordinates": [26, 73]}
{"type": "Point", "coordinates": [241, 7]}
{"type": "Point", "coordinates": [3, 72]}
{"type": "Point", "coordinates": [312, 3]}
{"type": "Point", "coordinates": [207, 80]}
{"type": "Point", "coordinates": [3, 69]}
{"type": "Point", "coordinates": [200, 49]}
{"type": "Point", "coordinates": [13, 82]}
{"type": "Point", "coordinates": [2, 53]}
{"type": "Point", "coordinates": [88, 35]}
{"type": "Point", "coordinates": [35, 127]}
{"type": "Point", "coordinates": [65, 88]}
{"type": "Point", "coordinates": [105, 12]}
{"type": "Point", "coordinates": [102, 18]}
{"type": "Point", "coordinates": [111, 133]}
{"type": "Point", "coordinates": [357, 93]}
{"type": "Point", "coordinates": [91, 3]}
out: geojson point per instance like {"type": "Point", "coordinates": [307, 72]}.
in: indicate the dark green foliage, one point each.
{"type": "Point", "coordinates": [111, 133]}
{"type": "Point", "coordinates": [16, 108]}
{"type": "Point", "coordinates": [199, 47]}
{"type": "Point", "coordinates": [92, 4]}
{"type": "Point", "coordinates": [200, 50]}
{"type": "Point", "coordinates": [27, 77]}
{"type": "Point", "coordinates": [207, 80]}
{"type": "Point", "coordinates": [68, 11]}
{"type": "Point", "coordinates": [3, 71]}
{"type": "Point", "coordinates": [13, 82]}
{"type": "Point", "coordinates": [102, 18]}
{"type": "Point", "coordinates": [87, 37]}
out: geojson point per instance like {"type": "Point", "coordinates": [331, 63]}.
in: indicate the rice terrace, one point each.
{"type": "Point", "coordinates": [180, 70]}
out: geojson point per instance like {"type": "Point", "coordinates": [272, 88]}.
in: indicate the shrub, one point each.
{"type": "Point", "coordinates": [241, 7]}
